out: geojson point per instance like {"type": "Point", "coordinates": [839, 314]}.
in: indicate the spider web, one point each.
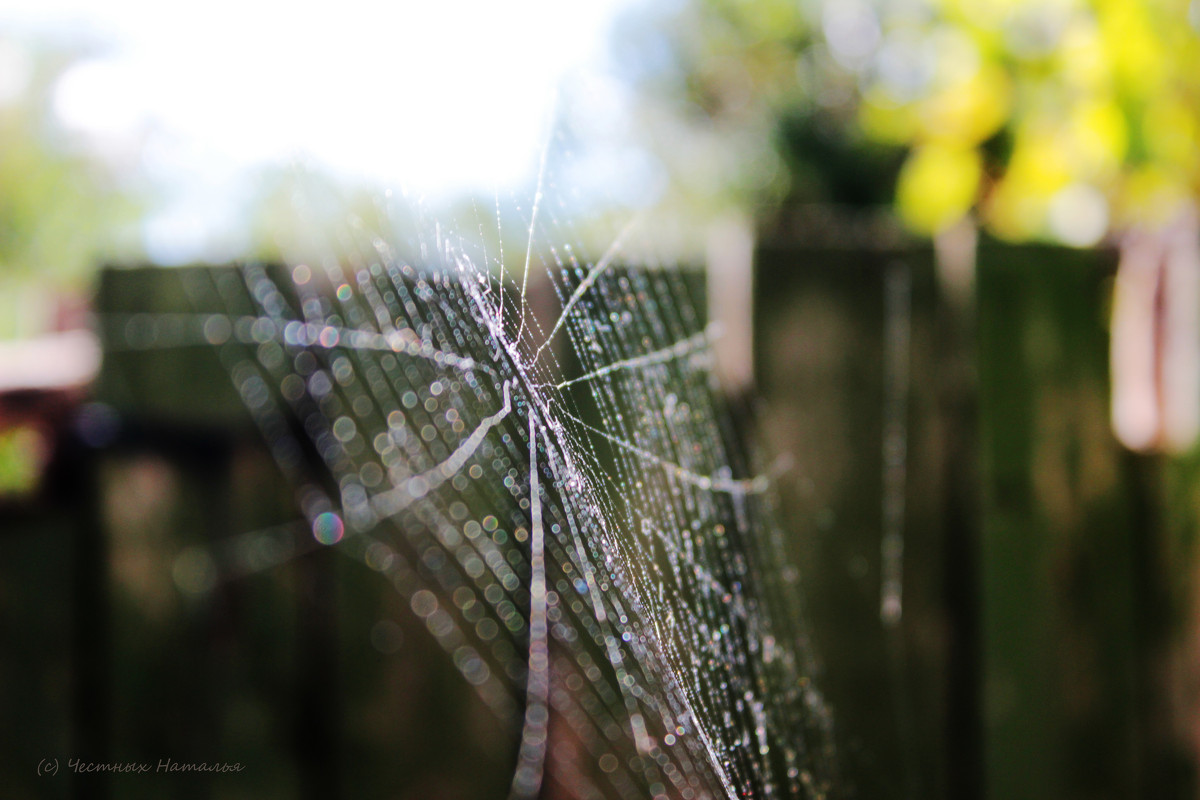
{"type": "Point", "coordinates": [552, 484]}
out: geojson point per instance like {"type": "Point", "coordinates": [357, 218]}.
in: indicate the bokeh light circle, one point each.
{"type": "Point", "coordinates": [328, 528]}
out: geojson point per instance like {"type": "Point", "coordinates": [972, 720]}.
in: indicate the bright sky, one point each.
{"type": "Point", "coordinates": [437, 96]}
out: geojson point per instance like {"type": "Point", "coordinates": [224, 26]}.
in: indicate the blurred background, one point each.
{"type": "Point", "coordinates": [955, 248]}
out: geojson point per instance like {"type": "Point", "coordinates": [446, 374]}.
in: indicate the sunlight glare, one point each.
{"type": "Point", "coordinates": [439, 99]}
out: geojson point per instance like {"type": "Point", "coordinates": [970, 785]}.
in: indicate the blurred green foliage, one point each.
{"type": "Point", "coordinates": [20, 455]}
{"type": "Point", "coordinates": [1053, 120]}
{"type": "Point", "coordinates": [61, 209]}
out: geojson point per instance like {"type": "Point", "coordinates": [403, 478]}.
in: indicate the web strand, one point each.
{"type": "Point", "coordinates": [528, 777]}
